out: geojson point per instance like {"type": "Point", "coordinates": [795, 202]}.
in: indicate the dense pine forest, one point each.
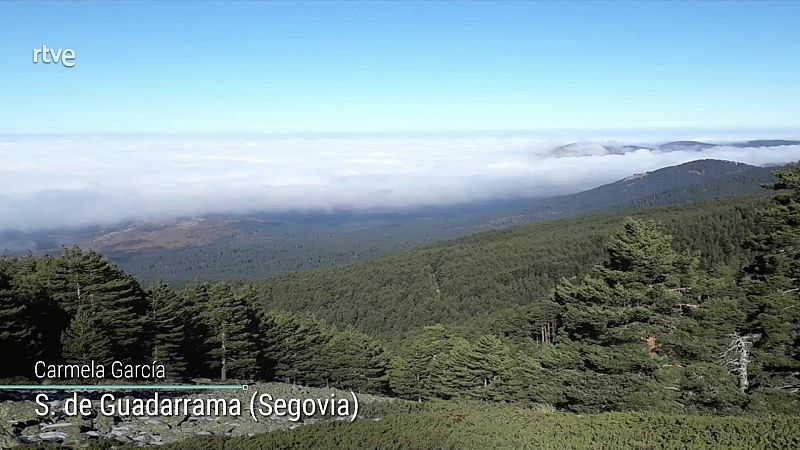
{"type": "Point", "coordinates": [484, 280]}
{"type": "Point", "coordinates": [680, 310]}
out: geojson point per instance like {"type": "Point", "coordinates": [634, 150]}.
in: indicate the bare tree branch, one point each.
{"type": "Point", "coordinates": [737, 357]}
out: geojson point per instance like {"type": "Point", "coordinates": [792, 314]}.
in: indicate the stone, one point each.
{"type": "Point", "coordinates": [52, 435]}
{"type": "Point", "coordinates": [53, 426]}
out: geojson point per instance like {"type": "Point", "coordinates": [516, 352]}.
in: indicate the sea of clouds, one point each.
{"type": "Point", "coordinates": [72, 181]}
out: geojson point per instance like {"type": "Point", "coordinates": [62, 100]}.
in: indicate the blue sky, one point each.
{"type": "Point", "coordinates": [368, 67]}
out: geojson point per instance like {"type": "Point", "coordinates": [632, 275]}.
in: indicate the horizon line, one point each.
{"type": "Point", "coordinates": [398, 132]}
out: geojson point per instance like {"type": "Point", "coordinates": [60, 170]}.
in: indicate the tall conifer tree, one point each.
{"type": "Point", "coordinates": [168, 316]}
{"type": "Point", "coordinates": [83, 341]}
{"type": "Point", "coordinates": [357, 362]}
{"type": "Point", "coordinates": [635, 297]}
{"type": "Point", "coordinates": [19, 338]}
{"type": "Point", "coordinates": [84, 278]}
{"type": "Point", "coordinates": [232, 326]}
{"type": "Point", "coordinates": [294, 347]}
{"type": "Point", "coordinates": [773, 285]}
{"type": "Point", "coordinates": [412, 369]}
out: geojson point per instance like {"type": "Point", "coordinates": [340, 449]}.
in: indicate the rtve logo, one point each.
{"type": "Point", "coordinates": [50, 55]}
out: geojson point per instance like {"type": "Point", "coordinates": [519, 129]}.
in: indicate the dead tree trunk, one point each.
{"type": "Point", "coordinates": [737, 358]}
{"type": "Point", "coordinates": [545, 334]}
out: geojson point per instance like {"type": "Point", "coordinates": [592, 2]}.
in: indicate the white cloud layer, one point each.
{"type": "Point", "coordinates": [56, 181]}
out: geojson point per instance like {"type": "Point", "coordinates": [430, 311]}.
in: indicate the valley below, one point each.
{"type": "Point", "coordinates": [227, 247]}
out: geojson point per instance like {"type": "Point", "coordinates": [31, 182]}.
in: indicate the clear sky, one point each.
{"type": "Point", "coordinates": [366, 67]}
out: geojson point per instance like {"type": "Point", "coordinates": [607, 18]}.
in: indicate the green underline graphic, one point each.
{"type": "Point", "coordinates": [119, 386]}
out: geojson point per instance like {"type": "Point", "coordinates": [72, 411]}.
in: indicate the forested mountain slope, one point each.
{"type": "Point", "coordinates": [247, 247]}
{"type": "Point", "coordinates": [474, 277]}
{"type": "Point", "coordinates": [254, 248]}
{"type": "Point", "coordinates": [686, 183]}
{"type": "Point", "coordinates": [676, 310]}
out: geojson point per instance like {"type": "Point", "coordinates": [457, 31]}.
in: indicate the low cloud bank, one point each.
{"type": "Point", "coordinates": [73, 181]}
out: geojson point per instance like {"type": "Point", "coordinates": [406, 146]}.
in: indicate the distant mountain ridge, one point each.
{"type": "Point", "coordinates": [685, 183]}
{"type": "Point", "coordinates": [685, 145]}
{"type": "Point", "coordinates": [589, 148]}
{"type": "Point", "coordinates": [766, 143]}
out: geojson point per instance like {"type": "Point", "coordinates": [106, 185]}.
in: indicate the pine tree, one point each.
{"type": "Point", "coordinates": [195, 348]}
{"type": "Point", "coordinates": [635, 297]}
{"type": "Point", "coordinates": [711, 387]}
{"type": "Point", "coordinates": [294, 348]}
{"type": "Point", "coordinates": [490, 362]}
{"type": "Point", "coordinates": [474, 370]}
{"type": "Point", "coordinates": [19, 339]}
{"type": "Point", "coordinates": [632, 320]}
{"type": "Point", "coordinates": [83, 342]}
{"type": "Point", "coordinates": [357, 362]}
{"type": "Point", "coordinates": [168, 315]}
{"type": "Point", "coordinates": [411, 370]}
{"type": "Point", "coordinates": [529, 382]}
{"type": "Point", "coordinates": [451, 378]}
{"type": "Point", "coordinates": [640, 254]}
{"type": "Point", "coordinates": [84, 278]}
{"type": "Point", "coordinates": [46, 319]}
{"type": "Point", "coordinates": [233, 327]}
{"type": "Point", "coordinates": [772, 282]}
